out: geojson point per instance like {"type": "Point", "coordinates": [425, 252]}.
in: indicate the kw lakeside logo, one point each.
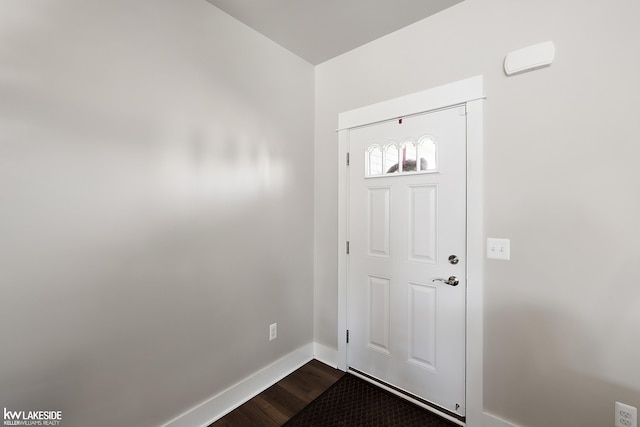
{"type": "Point", "coordinates": [32, 418]}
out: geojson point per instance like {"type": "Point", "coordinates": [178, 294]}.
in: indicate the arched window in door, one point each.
{"type": "Point", "coordinates": [407, 156]}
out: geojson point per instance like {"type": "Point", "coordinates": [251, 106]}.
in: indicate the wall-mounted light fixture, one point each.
{"type": "Point", "coordinates": [530, 58]}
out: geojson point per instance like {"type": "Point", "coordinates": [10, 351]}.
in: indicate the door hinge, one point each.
{"type": "Point", "coordinates": [347, 336]}
{"type": "Point", "coordinates": [463, 110]}
{"type": "Point", "coordinates": [347, 247]}
{"type": "Point", "coordinates": [347, 159]}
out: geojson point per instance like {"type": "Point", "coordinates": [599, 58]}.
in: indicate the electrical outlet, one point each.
{"type": "Point", "coordinates": [626, 416]}
{"type": "Point", "coordinates": [273, 331]}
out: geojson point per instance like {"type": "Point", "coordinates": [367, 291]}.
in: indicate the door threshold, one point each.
{"type": "Point", "coordinates": [425, 404]}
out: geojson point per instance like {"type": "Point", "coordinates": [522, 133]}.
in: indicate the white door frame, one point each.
{"type": "Point", "coordinates": [469, 92]}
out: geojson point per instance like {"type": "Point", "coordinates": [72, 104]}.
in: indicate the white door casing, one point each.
{"type": "Point", "coordinates": [406, 327]}
{"type": "Point", "coordinates": [469, 93]}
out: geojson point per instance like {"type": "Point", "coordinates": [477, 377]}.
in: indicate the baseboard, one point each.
{"type": "Point", "coordinates": [226, 401]}
{"type": "Point", "coordinates": [326, 355]}
{"type": "Point", "coordinates": [490, 420]}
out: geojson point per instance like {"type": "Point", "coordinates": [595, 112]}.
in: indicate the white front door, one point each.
{"type": "Point", "coordinates": [407, 237]}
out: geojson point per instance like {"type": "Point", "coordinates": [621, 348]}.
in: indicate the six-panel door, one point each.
{"type": "Point", "coordinates": [407, 215]}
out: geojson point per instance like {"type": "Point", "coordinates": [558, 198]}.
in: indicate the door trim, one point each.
{"type": "Point", "coordinates": [469, 92]}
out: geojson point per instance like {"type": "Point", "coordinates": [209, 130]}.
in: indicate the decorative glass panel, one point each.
{"type": "Point", "coordinates": [405, 157]}
{"type": "Point", "coordinates": [409, 153]}
{"type": "Point", "coordinates": [427, 154]}
{"type": "Point", "coordinates": [391, 158]}
{"type": "Point", "coordinates": [375, 161]}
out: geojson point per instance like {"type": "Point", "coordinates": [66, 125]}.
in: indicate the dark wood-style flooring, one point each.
{"type": "Point", "coordinates": [278, 403]}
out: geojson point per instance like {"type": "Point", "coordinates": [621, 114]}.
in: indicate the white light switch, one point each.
{"type": "Point", "coordinates": [499, 249]}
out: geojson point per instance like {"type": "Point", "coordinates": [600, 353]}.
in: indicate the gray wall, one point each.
{"type": "Point", "coordinates": [156, 206]}
{"type": "Point", "coordinates": [561, 181]}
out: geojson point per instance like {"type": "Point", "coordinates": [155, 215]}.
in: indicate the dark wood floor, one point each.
{"type": "Point", "coordinates": [278, 403]}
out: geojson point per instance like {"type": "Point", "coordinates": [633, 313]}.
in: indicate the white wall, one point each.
{"type": "Point", "coordinates": [156, 207]}
{"type": "Point", "coordinates": [561, 181]}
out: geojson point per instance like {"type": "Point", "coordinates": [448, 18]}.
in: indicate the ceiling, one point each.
{"type": "Point", "coordinates": [318, 30]}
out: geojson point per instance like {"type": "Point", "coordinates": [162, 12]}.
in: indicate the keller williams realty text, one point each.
{"type": "Point", "coordinates": [32, 418]}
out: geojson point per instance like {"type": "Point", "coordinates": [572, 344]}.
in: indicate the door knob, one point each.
{"type": "Point", "coordinates": [451, 281]}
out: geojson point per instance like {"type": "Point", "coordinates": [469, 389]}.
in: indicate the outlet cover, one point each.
{"type": "Point", "coordinates": [626, 415]}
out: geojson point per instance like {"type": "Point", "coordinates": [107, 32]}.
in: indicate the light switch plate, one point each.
{"type": "Point", "coordinates": [499, 249]}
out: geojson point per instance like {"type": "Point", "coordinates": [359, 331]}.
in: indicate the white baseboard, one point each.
{"type": "Point", "coordinates": [326, 355]}
{"type": "Point", "coordinates": [226, 401]}
{"type": "Point", "coordinates": [490, 420]}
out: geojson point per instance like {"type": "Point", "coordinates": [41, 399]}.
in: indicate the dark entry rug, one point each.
{"type": "Point", "coordinates": [352, 401]}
